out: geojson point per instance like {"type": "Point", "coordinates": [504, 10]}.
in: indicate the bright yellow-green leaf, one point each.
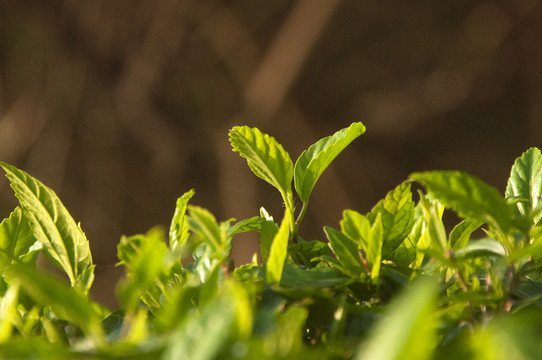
{"type": "Point", "coordinates": [279, 250]}
{"type": "Point", "coordinates": [313, 161]}
{"type": "Point", "coordinates": [469, 196]}
{"type": "Point", "coordinates": [63, 241]}
{"type": "Point", "coordinates": [266, 158]}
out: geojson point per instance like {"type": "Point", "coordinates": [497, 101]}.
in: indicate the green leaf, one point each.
{"type": "Point", "coordinates": [279, 250]}
{"type": "Point", "coordinates": [374, 249]}
{"type": "Point", "coordinates": [67, 303]}
{"type": "Point", "coordinates": [346, 251]}
{"type": "Point", "coordinates": [268, 230]}
{"type": "Point", "coordinates": [63, 240]}
{"type": "Point", "coordinates": [397, 212]}
{"type": "Point", "coordinates": [178, 230]}
{"type": "Point", "coordinates": [405, 253]}
{"type": "Point", "coordinates": [17, 238]}
{"type": "Point", "coordinates": [251, 224]}
{"type": "Point", "coordinates": [354, 225]}
{"type": "Point", "coordinates": [460, 235]}
{"type": "Point", "coordinates": [143, 255]}
{"type": "Point", "coordinates": [266, 158]}
{"type": "Point", "coordinates": [313, 161]}
{"type": "Point", "coordinates": [205, 332]}
{"type": "Point", "coordinates": [469, 196]}
{"type": "Point", "coordinates": [525, 182]}
{"type": "Point", "coordinates": [408, 329]}
{"type": "Point", "coordinates": [319, 277]}
{"type": "Point", "coordinates": [202, 222]}
{"type": "Point", "coordinates": [482, 247]}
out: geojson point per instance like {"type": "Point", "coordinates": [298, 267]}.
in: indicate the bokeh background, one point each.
{"type": "Point", "coordinates": [122, 106]}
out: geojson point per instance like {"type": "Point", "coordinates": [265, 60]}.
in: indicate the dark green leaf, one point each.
{"type": "Point", "coordinates": [313, 161]}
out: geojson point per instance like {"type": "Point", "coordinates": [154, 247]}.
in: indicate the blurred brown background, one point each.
{"type": "Point", "coordinates": [122, 106]}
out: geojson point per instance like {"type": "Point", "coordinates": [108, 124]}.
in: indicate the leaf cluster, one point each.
{"type": "Point", "coordinates": [393, 283]}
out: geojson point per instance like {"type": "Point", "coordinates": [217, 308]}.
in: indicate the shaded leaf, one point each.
{"type": "Point", "coordinates": [312, 277]}
{"type": "Point", "coordinates": [482, 247]}
{"type": "Point", "coordinates": [313, 161]}
{"type": "Point", "coordinates": [67, 303]}
{"type": "Point", "coordinates": [408, 329]}
{"type": "Point", "coordinates": [346, 251]}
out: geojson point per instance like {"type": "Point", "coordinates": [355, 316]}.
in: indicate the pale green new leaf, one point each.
{"type": "Point", "coordinates": [408, 329]}
{"type": "Point", "coordinates": [525, 182]}
{"type": "Point", "coordinates": [178, 230]}
{"type": "Point", "coordinates": [17, 238]}
{"type": "Point", "coordinates": [469, 196]}
{"type": "Point", "coordinates": [279, 251]}
{"type": "Point", "coordinates": [64, 242]}
{"type": "Point", "coordinates": [313, 161]}
{"type": "Point", "coordinates": [397, 212]}
{"type": "Point", "coordinates": [266, 158]}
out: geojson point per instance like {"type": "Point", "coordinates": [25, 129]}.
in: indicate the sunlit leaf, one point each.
{"type": "Point", "coordinates": [17, 238]}
{"type": "Point", "coordinates": [63, 240]}
{"type": "Point", "coordinates": [279, 251]}
{"type": "Point", "coordinates": [178, 230]}
{"type": "Point", "coordinates": [374, 248]}
{"type": "Point", "coordinates": [313, 161]}
{"type": "Point", "coordinates": [525, 182]}
{"type": "Point", "coordinates": [268, 230]}
{"type": "Point", "coordinates": [397, 212]}
{"type": "Point", "coordinates": [266, 158]}
{"type": "Point", "coordinates": [469, 196]}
